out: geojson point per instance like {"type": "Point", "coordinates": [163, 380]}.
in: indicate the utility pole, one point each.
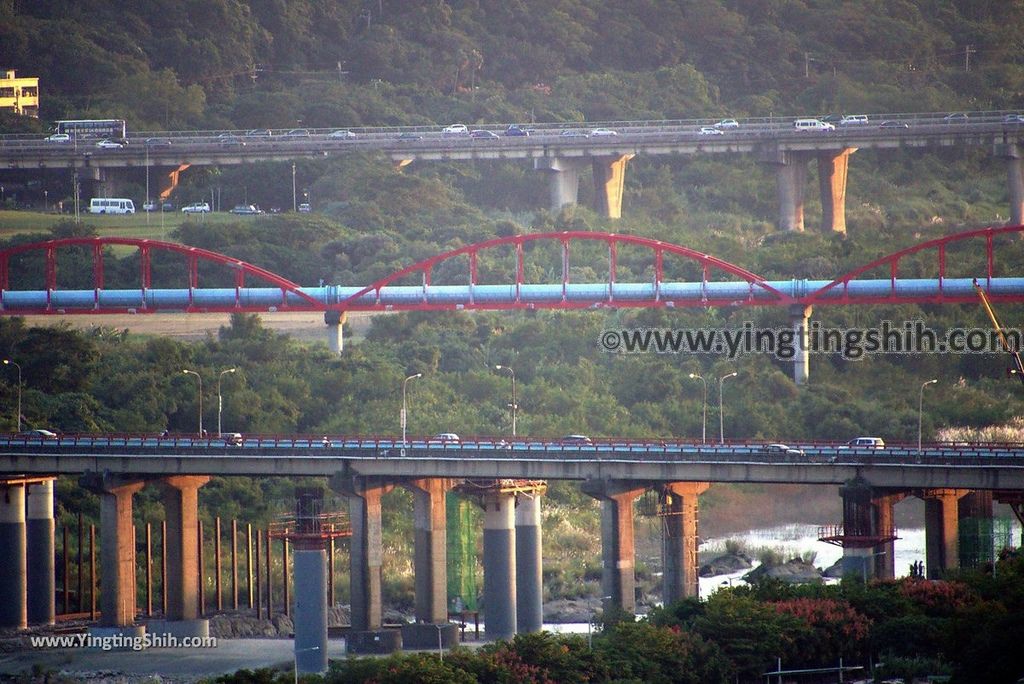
{"type": "Point", "coordinates": [968, 51]}
{"type": "Point", "coordinates": [807, 65]}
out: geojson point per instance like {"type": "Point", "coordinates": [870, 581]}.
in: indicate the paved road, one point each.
{"type": "Point", "coordinates": [178, 665]}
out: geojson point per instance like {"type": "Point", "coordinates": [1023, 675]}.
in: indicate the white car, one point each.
{"type": "Point", "coordinates": [341, 135]}
{"type": "Point", "coordinates": [598, 132]}
{"type": "Point", "coordinates": [109, 145]}
{"type": "Point", "coordinates": [455, 129]}
{"type": "Point", "coordinates": [196, 208]}
{"type": "Point", "coordinates": [58, 138]}
{"type": "Point", "coordinates": [708, 130]}
{"type": "Point", "coordinates": [781, 449]}
{"type": "Point", "coordinates": [727, 124]}
{"type": "Point", "coordinates": [305, 208]}
{"type": "Point", "coordinates": [445, 437]}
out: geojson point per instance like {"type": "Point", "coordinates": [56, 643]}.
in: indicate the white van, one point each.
{"type": "Point", "coordinates": [812, 125]}
{"type": "Point", "coordinates": [111, 205]}
{"type": "Point", "coordinates": [854, 120]}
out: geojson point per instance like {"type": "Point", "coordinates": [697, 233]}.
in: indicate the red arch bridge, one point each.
{"type": "Point", "coordinates": [567, 270]}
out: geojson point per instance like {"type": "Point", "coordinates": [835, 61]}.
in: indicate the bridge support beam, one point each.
{"type": "Point", "coordinates": [184, 574]}
{"type": "Point", "coordinates": [13, 583]}
{"type": "Point", "coordinates": [499, 565]}
{"type": "Point", "coordinates": [791, 179]}
{"type": "Point", "coordinates": [529, 565]}
{"type": "Point", "coordinates": [618, 551]}
{"type": "Point", "coordinates": [941, 530]}
{"type": "Point", "coordinates": [884, 522]}
{"type": "Point", "coordinates": [170, 181]}
{"type": "Point", "coordinates": [117, 547]}
{"type": "Point", "coordinates": [800, 320]}
{"type": "Point", "coordinates": [563, 178]}
{"type": "Point", "coordinates": [39, 529]}
{"type": "Point", "coordinates": [335, 321]}
{"type": "Point", "coordinates": [430, 519]}
{"type": "Point", "coordinates": [974, 518]}
{"type": "Point", "coordinates": [832, 175]}
{"type": "Point", "coordinates": [609, 181]}
{"type": "Point", "coordinates": [679, 540]}
{"type": "Point", "coordinates": [1014, 180]}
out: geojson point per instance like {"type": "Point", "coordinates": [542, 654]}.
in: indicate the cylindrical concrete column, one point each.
{"type": "Point", "coordinates": [832, 174]}
{"type": "Point", "coordinates": [800, 320]}
{"type": "Point", "coordinates": [499, 565]}
{"type": "Point", "coordinates": [13, 608]}
{"type": "Point", "coordinates": [884, 524]}
{"type": "Point", "coordinates": [310, 566]}
{"type": "Point", "coordinates": [529, 566]}
{"type": "Point", "coordinates": [335, 321]}
{"type": "Point", "coordinates": [563, 179]}
{"type": "Point", "coordinates": [181, 508]}
{"type": "Point", "coordinates": [39, 527]}
{"type": "Point", "coordinates": [977, 536]}
{"type": "Point", "coordinates": [941, 531]}
{"type": "Point", "coordinates": [791, 177]}
{"type": "Point", "coordinates": [117, 555]}
{"type": "Point", "coordinates": [609, 183]}
{"type": "Point", "coordinates": [618, 552]}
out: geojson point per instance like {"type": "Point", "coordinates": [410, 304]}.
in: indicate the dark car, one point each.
{"type": "Point", "coordinates": [158, 142]}
{"type": "Point", "coordinates": [38, 433]}
{"type": "Point", "coordinates": [409, 137]}
{"type": "Point", "coordinates": [517, 131]}
{"type": "Point", "coordinates": [575, 439]}
{"type": "Point", "coordinates": [955, 118]}
{"type": "Point", "coordinates": [481, 134]}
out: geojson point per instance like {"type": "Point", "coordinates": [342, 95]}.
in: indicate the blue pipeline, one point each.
{"type": "Point", "coordinates": [465, 295]}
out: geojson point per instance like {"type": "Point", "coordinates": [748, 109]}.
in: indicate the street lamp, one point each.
{"type": "Point", "coordinates": [721, 410]}
{"type": "Point", "coordinates": [513, 405]}
{"type": "Point", "coordinates": [920, 410]}
{"type": "Point", "coordinates": [704, 409]}
{"type": "Point", "coordinates": [440, 645]}
{"type": "Point", "coordinates": [404, 383]}
{"type": "Point", "coordinates": [220, 399]}
{"type": "Point", "coordinates": [199, 377]}
{"type": "Point", "coordinates": [294, 206]}
{"type": "Point", "coordinates": [8, 362]}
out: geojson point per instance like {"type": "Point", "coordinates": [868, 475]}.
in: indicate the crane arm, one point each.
{"type": "Point", "coordinates": [1014, 354]}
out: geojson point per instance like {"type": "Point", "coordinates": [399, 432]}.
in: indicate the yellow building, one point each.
{"type": "Point", "coordinates": [19, 95]}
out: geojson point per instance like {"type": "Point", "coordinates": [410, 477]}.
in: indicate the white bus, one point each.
{"type": "Point", "coordinates": [111, 205]}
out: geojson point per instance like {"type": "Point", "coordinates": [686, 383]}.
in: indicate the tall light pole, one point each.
{"type": "Point", "coordinates": [721, 410]}
{"type": "Point", "coordinates": [920, 410]}
{"type": "Point", "coordinates": [513, 405]}
{"type": "Point", "coordinates": [220, 399]}
{"type": "Point", "coordinates": [294, 206]}
{"type": "Point", "coordinates": [404, 383]}
{"type": "Point", "coordinates": [8, 362]}
{"type": "Point", "coordinates": [199, 377]}
{"type": "Point", "coordinates": [704, 409]}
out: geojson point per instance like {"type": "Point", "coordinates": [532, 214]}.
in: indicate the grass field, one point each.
{"type": "Point", "coordinates": [155, 226]}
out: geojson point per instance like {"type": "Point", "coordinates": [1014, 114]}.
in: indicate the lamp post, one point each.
{"type": "Point", "coordinates": [199, 377]}
{"type": "Point", "coordinates": [220, 399]}
{"type": "Point", "coordinates": [294, 206]}
{"type": "Point", "coordinates": [704, 409]}
{"type": "Point", "coordinates": [920, 410]}
{"type": "Point", "coordinates": [513, 405]}
{"type": "Point", "coordinates": [404, 383]}
{"type": "Point", "coordinates": [8, 362]}
{"type": "Point", "coordinates": [440, 645]}
{"type": "Point", "coordinates": [721, 410]}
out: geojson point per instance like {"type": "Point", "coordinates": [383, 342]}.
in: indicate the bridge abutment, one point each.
{"type": "Point", "coordinates": [679, 540]}
{"type": "Point", "coordinates": [39, 527]}
{"type": "Point", "coordinates": [529, 565]}
{"type": "Point", "coordinates": [13, 582]}
{"type": "Point", "coordinates": [500, 617]}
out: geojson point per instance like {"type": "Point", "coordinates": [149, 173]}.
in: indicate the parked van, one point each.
{"type": "Point", "coordinates": [854, 120]}
{"type": "Point", "coordinates": [867, 443]}
{"type": "Point", "coordinates": [812, 125]}
{"type": "Point", "coordinates": [111, 205]}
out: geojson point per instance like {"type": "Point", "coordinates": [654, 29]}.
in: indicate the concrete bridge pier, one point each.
{"type": "Point", "coordinates": [679, 540]}
{"type": "Point", "coordinates": [13, 583]}
{"type": "Point", "coordinates": [335, 321]}
{"type": "Point", "coordinates": [618, 551]}
{"type": "Point", "coordinates": [310, 568]}
{"type": "Point", "coordinates": [800, 320]}
{"type": "Point", "coordinates": [941, 530]}
{"type": "Point", "coordinates": [1014, 180]}
{"type": "Point", "coordinates": [365, 565]}
{"type": "Point", "coordinates": [500, 616]}
{"type": "Point", "coordinates": [39, 527]}
{"type": "Point", "coordinates": [790, 179]}
{"type": "Point", "coordinates": [884, 523]}
{"type": "Point", "coordinates": [609, 181]}
{"type": "Point", "coordinates": [529, 565]}
{"type": "Point", "coordinates": [430, 519]}
{"type": "Point", "coordinates": [832, 174]}
{"type": "Point", "coordinates": [117, 552]}
{"type": "Point", "coordinates": [184, 574]}
{"type": "Point", "coordinates": [974, 520]}
{"type": "Point", "coordinates": [563, 178]}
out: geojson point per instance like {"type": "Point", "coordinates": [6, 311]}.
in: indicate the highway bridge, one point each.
{"type": "Point", "coordinates": [562, 151]}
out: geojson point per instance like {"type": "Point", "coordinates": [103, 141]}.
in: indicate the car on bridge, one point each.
{"type": "Point", "coordinates": [230, 140]}
{"type": "Point", "coordinates": [158, 142]}
{"type": "Point", "coordinates": [575, 133]}
{"type": "Point", "coordinates": [481, 134]}
{"type": "Point", "coordinates": [38, 433]}
{"type": "Point", "coordinates": [854, 120]}
{"type": "Point", "coordinates": [1014, 119]}
{"type": "Point", "coordinates": [709, 130]}
{"type": "Point", "coordinates": [576, 440]}
{"type": "Point", "coordinates": [445, 437]}
{"type": "Point", "coordinates": [107, 144]}
{"type": "Point", "coordinates": [258, 133]}
{"type": "Point", "coordinates": [455, 130]}
{"type": "Point", "coordinates": [781, 450]}
{"type": "Point", "coordinates": [341, 135]}
{"type": "Point", "coordinates": [57, 138]}
{"type": "Point", "coordinates": [600, 132]}
{"type": "Point", "coordinates": [232, 438]}
{"type": "Point", "coordinates": [408, 137]}
{"type": "Point", "coordinates": [297, 133]}
{"type": "Point", "coordinates": [866, 443]}
{"type": "Point", "coordinates": [894, 124]}
{"type": "Point", "coordinates": [196, 208]}
{"type": "Point", "coordinates": [955, 118]}
{"type": "Point", "coordinates": [515, 130]}
{"type": "Point", "coordinates": [727, 124]}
